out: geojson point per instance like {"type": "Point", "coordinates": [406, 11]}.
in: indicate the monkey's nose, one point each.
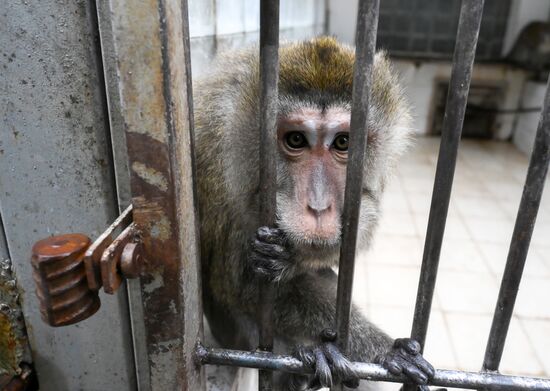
{"type": "Point", "coordinates": [318, 209]}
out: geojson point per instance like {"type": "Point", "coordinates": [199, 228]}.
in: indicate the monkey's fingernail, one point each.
{"type": "Point", "coordinates": [262, 231]}
{"type": "Point", "coordinates": [328, 335]}
{"type": "Point", "coordinates": [413, 346]}
{"type": "Point", "coordinates": [394, 368]}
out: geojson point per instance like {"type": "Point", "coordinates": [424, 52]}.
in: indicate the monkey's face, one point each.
{"type": "Point", "coordinates": [313, 146]}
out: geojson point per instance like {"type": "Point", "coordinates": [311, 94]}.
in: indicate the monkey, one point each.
{"type": "Point", "coordinates": [297, 254]}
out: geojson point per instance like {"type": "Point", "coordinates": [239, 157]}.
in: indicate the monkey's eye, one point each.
{"type": "Point", "coordinates": [341, 142]}
{"type": "Point", "coordinates": [296, 140]}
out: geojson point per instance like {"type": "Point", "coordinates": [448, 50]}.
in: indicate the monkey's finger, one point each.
{"type": "Point", "coordinates": [271, 235]}
{"type": "Point", "coordinates": [328, 335]}
{"type": "Point", "coordinates": [305, 355]}
{"type": "Point", "coordinates": [421, 363]}
{"type": "Point", "coordinates": [322, 369]}
{"type": "Point", "coordinates": [412, 372]}
{"type": "Point", "coordinates": [298, 382]}
{"type": "Point", "coordinates": [265, 262]}
{"type": "Point", "coordinates": [392, 366]}
{"type": "Point", "coordinates": [314, 385]}
{"type": "Point", "coordinates": [340, 364]}
{"type": "Point", "coordinates": [268, 270]}
{"type": "Point", "coordinates": [409, 345]}
{"type": "Point", "coordinates": [270, 250]}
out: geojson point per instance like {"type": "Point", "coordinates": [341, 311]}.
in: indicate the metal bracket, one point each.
{"type": "Point", "coordinates": [69, 269]}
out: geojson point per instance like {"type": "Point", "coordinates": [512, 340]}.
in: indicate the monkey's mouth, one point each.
{"type": "Point", "coordinates": [305, 228]}
{"type": "Point", "coordinates": [315, 236]}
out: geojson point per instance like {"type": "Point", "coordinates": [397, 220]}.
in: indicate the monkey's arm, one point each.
{"type": "Point", "coordinates": [305, 308]}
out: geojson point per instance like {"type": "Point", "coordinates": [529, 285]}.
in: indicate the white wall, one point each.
{"type": "Point", "coordinates": [526, 127]}
{"type": "Point", "coordinates": [342, 19]}
{"type": "Point", "coordinates": [218, 25]}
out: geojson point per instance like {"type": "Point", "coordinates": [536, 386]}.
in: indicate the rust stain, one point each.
{"type": "Point", "coordinates": [13, 340]}
{"type": "Point", "coordinates": [152, 220]}
{"type": "Point", "coordinates": [9, 362]}
{"type": "Point", "coordinates": [142, 81]}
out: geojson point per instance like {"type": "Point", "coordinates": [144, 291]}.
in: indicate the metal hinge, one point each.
{"type": "Point", "coordinates": [69, 269]}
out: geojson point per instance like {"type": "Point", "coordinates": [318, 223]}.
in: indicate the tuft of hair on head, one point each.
{"type": "Point", "coordinates": [320, 65]}
{"type": "Point", "coordinates": [321, 70]}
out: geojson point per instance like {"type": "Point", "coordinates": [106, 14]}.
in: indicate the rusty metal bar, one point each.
{"type": "Point", "coordinates": [521, 237]}
{"type": "Point", "coordinates": [269, 76]}
{"type": "Point", "coordinates": [463, 61]}
{"type": "Point", "coordinates": [367, 22]}
{"type": "Point", "coordinates": [151, 44]}
{"type": "Point", "coordinates": [368, 371]}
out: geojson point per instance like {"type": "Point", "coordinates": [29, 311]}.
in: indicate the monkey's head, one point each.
{"type": "Point", "coordinates": [315, 89]}
{"type": "Point", "coordinates": [313, 132]}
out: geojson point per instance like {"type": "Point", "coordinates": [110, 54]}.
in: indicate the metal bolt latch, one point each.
{"type": "Point", "coordinates": [69, 270]}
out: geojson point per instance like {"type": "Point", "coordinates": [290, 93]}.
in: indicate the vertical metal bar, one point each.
{"type": "Point", "coordinates": [459, 85]}
{"type": "Point", "coordinates": [521, 237]}
{"type": "Point", "coordinates": [367, 23]}
{"type": "Point", "coordinates": [269, 76]}
{"type": "Point", "coordinates": [151, 44]}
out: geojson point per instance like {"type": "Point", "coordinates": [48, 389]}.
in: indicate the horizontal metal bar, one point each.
{"type": "Point", "coordinates": [455, 108]}
{"type": "Point", "coordinates": [367, 371]}
{"type": "Point", "coordinates": [521, 237]}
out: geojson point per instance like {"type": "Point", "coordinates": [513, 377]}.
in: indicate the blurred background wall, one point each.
{"type": "Point", "coordinates": [506, 91]}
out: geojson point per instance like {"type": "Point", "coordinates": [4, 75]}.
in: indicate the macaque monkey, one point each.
{"type": "Point", "coordinates": [315, 88]}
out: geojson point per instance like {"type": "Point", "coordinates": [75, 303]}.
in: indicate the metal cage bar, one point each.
{"type": "Point", "coordinates": [367, 23]}
{"type": "Point", "coordinates": [153, 102]}
{"type": "Point", "coordinates": [468, 30]}
{"type": "Point", "coordinates": [373, 372]}
{"type": "Point", "coordinates": [269, 77]}
{"type": "Point", "coordinates": [521, 238]}
{"type": "Point", "coordinates": [463, 61]}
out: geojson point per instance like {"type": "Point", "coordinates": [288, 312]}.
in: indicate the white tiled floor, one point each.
{"type": "Point", "coordinates": [486, 193]}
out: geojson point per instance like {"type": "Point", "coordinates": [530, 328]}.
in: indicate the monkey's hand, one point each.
{"type": "Point", "coordinates": [329, 364]}
{"type": "Point", "coordinates": [405, 358]}
{"type": "Point", "coordinates": [270, 256]}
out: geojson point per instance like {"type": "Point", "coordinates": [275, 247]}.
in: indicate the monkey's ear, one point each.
{"type": "Point", "coordinates": [389, 112]}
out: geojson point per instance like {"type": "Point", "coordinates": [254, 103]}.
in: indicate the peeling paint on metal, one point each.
{"type": "Point", "coordinates": [161, 229]}
{"type": "Point", "coordinates": [150, 175]}
{"type": "Point", "coordinates": [156, 283]}
{"type": "Point", "coordinates": [163, 364]}
{"type": "Point", "coordinates": [143, 103]}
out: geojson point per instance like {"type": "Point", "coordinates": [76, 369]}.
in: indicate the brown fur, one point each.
{"type": "Point", "coordinates": [318, 74]}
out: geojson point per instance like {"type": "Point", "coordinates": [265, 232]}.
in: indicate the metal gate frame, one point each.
{"type": "Point", "coordinates": [150, 97]}
{"type": "Point", "coordinates": [145, 47]}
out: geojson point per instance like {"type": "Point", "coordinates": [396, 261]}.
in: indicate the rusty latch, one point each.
{"type": "Point", "coordinates": [69, 269]}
